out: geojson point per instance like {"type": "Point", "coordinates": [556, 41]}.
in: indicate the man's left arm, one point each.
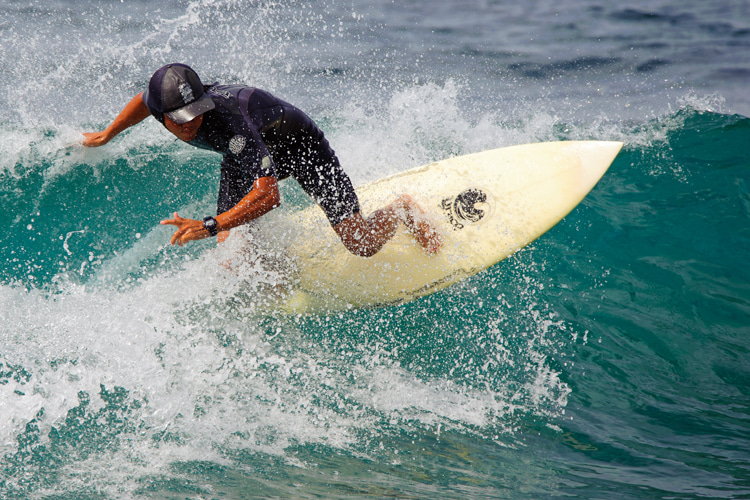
{"type": "Point", "coordinates": [134, 112]}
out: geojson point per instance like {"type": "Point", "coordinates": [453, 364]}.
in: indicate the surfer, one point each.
{"type": "Point", "coordinates": [263, 140]}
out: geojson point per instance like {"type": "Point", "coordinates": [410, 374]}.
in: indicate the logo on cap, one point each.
{"type": "Point", "coordinates": [187, 92]}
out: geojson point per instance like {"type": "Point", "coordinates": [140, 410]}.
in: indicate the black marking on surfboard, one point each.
{"type": "Point", "coordinates": [463, 208]}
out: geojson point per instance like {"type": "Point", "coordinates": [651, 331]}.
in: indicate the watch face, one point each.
{"type": "Point", "coordinates": [210, 224]}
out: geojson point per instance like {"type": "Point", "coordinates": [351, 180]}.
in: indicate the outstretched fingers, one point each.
{"type": "Point", "coordinates": [177, 221]}
{"type": "Point", "coordinates": [187, 229]}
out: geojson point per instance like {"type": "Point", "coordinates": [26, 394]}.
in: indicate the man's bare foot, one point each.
{"type": "Point", "coordinates": [416, 221]}
{"type": "Point", "coordinates": [427, 236]}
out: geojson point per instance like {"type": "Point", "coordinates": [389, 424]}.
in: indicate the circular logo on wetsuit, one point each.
{"type": "Point", "coordinates": [236, 144]}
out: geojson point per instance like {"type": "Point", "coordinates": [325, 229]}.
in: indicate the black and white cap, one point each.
{"type": "Point", "coordinates": [176, 91]}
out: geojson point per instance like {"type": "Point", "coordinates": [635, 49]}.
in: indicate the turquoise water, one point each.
{"type": "Point", "coordinates": [609, 359]}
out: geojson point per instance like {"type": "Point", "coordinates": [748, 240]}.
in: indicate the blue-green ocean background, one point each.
{"type": "Point", "coordinates": [609, 359]}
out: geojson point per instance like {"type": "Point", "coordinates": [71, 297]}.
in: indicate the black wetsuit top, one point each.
{"type": "Point", "coordinates": [261, 136]}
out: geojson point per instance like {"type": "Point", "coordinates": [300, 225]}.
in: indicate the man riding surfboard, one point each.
{"type": "Point", "coordinates": [263, 140]}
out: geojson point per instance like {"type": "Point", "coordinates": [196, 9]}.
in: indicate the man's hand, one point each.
{"type": "Point", "coordinates": [133, 112]}
{"type": "Point", "coordinates": [95, 139]}
{"type": "Point", "coordinates": [187, 230]}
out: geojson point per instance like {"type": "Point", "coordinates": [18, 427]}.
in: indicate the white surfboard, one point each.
{"type": "Point", "coordinates": [486, 206]}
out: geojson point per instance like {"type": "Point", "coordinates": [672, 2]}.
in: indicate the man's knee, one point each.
{"type": "Point", "coordinates": [352, 232]}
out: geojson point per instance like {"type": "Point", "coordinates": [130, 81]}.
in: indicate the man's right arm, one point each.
{"type": "Point", "coordinates": [134, 112]}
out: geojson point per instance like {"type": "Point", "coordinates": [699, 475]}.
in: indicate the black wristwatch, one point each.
{"type": "Point", "coordinates": [210, 224]}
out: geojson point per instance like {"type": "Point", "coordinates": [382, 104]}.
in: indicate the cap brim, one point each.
{"type": "Point", "coordinates": [192, 110]}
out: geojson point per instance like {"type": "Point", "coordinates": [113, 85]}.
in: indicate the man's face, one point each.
{"type": "Point", "coordinates": [186, 131]}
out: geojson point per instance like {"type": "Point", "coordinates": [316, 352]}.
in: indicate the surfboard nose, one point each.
{"type": "Point", "coordinates": [596, 157]}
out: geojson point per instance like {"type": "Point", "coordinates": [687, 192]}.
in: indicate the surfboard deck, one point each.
{"type": "Point", "coordinates": [486, 206]}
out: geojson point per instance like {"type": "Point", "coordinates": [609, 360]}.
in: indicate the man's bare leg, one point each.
{"type": "Point", "coordinates": [365, 237]}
